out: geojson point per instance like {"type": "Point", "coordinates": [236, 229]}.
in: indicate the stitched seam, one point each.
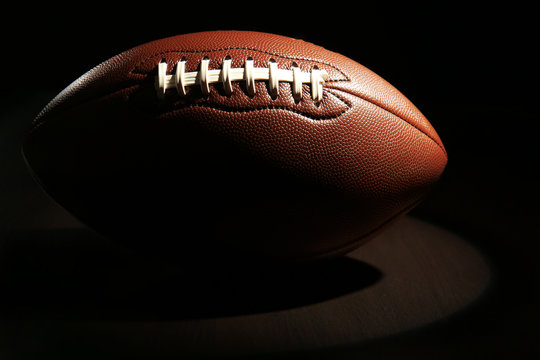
{"type": "Point", "coordinates": [231, 110]}
{"type": "Point", "coordinates": [40, 118]}
{"type": "Point", "coordinates": [136, 71]}
{"type": "Point", "coordinates": [396, 115]}
{"type": "Point", "coordinates": [37, 124]}
{"type": "Point", "coordinates": [353, 244]}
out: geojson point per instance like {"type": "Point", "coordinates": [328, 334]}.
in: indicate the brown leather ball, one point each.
{"type": "Point", "coordinates": [232, 142]}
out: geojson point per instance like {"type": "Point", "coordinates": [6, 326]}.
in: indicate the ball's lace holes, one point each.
{"type": "Point", "coordinates": [318, 103]}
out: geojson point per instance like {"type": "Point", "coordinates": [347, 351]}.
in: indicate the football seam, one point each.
{"type": "Point", "coordinates": [43, 115]}
{"type": "Point", "coordinates": [396, 115]}
{"type": "Point", "coordinates": [41, 119]}
{"type": "Point", "coordinates": [353, 244]}
{"type": "Point", "coordinates": [246, 110]}
{"type": "Point", "coordinates": [40, 123]}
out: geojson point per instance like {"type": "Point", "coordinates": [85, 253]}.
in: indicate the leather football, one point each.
{"type": "Point", "coordinates": [241, 143]}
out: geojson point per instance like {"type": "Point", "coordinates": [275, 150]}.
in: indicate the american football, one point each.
{"type": "Point", "coordinates": [247, 143]}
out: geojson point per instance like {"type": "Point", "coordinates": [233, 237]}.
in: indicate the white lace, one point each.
{"type": "Point", "coordinates": [249, 74]}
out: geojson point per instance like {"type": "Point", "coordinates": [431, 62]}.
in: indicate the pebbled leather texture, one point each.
{"type": "Point", "coordinates": [255, 175]}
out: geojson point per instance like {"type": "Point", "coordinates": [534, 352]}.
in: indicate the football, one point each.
{"type": "Point", "coordinates": [234, 142]}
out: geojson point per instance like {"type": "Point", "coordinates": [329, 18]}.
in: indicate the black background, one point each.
{"type": "Point", "coordinates": [470, 70]}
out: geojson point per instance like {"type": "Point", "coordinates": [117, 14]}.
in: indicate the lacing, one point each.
{"type": "Point", "coordinates": [249, 74]}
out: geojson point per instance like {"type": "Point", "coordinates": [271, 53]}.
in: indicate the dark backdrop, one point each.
{"type": "Point", "coordinates": [470, 70]}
